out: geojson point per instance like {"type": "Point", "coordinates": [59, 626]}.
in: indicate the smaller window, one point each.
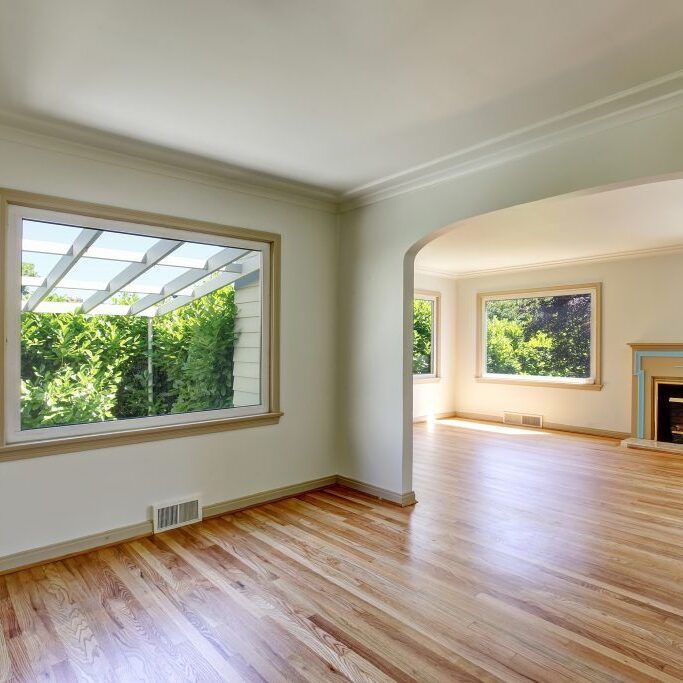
{"type": "Point", "coordinates": [425, 335]}
{"type": "Point", "coordinates": [541, 336]}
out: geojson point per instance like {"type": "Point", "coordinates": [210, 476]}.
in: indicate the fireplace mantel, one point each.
{"type": "Point", "coordinates": [652, 362]}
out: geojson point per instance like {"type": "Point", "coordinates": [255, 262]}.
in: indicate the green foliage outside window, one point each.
{"type": "Point", "coordinates": [423, 312]}
{"type": "Point", "coordinates": [539, 336]}
{"type": "Point", "coordinates": [78, 369]}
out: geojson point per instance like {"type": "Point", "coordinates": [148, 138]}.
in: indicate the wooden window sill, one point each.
{"type": "Point", "coordinates": [71, 444]}
{"type": "Point", "coordinates": [530, 383]}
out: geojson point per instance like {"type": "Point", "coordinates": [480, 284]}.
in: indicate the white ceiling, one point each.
{"type": "Point", "coordinates": [332, 93]}
{"type": "Point", "coordinates": [638, 220]}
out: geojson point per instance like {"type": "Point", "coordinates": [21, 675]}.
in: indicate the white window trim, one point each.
{"type": "Point", "coordinates": [12, 380]}
{"type": "Point", "coordinates": [435, 298]}
{"type": "Point", "coordinates": [592, 382]}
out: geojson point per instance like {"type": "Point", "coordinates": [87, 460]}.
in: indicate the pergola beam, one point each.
{"type": "Point", "coordinates": [191, 285]}
{"type": "Point", "coordinates": [221, 259]}
{"type": "Point", "coordinates": [222, 279]}
{"type": "Point", "coordinates": [153, 255]}
{"type": "Point", "coordinates": [84, 239]}
{"type": "Point", "coordinates": [74, 306]}
{"type": "Point", "coordinates": [90, 285]}
{"type": "Point", "coordinates": [106, 254]}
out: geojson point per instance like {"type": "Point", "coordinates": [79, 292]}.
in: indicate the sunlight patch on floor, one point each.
{"type": "Point", "coordinates": [487, 427]}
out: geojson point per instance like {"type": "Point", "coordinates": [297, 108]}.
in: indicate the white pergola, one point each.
{"type": "Point", "coordinates": [201, 277]}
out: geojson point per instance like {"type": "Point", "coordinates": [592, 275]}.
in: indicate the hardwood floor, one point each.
{"type": "Point", "coordinates": [530, 556]}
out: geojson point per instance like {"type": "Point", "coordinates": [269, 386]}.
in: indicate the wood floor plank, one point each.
{"type": "Point", "coordinates": [530, 556]}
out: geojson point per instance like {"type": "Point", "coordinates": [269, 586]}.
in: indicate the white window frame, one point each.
{"type": "Point", "coordinates": [592, 382]}
{"type": "Point", "coordinates": [435, 299]}
{"type": "Point", "coordinates": [12, 360]}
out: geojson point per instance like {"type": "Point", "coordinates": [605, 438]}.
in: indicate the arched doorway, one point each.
{"type": "Point", "coordinates": [626, 237]}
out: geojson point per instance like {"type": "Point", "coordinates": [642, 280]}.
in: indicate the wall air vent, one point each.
{"type": "Point", "coordinates": [522, 420]}
{"type": "Point", "coordinates": [179, 513]}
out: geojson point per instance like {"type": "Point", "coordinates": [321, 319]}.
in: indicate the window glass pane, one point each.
{"type": "Point", "coordinates": [423, 325]}
{"type": "Point", "coordinates": [197, 349]}
{"type": "Point", "coordinates": [49, 232]}
{"type": "Point", "coordinates": [539, 336]}
{"type": "Point", "coordinates": [193, 251]}
{"type": "Point", "coordinates": [95, 270]}
{"type": "Point", "coordinates": [62, 294]}
{"type": "Point", "coordinates": [34, 264]}
{"type": "Point", "coordinates": [123, 241]}
{"type": "Point", "coordinates": [157, 277]}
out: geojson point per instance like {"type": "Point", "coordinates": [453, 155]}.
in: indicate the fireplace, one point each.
{"type": "Point", "coordinates": [668, 405]}
{"type": "Point", "coordinates": [657, 397]}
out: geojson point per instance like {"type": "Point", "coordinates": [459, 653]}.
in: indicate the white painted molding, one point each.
{"type": "Point", "coordinates": [62, 550]}
{"type": "Point", "coordinates": [118, 151]}
{"type": "Point", "coordinates": [644, 100]}
{"type": "Point", "coordinates": [547, 426]}
{"type": "Point", "coordinates": [432, 272]}
{"type": "Point", "coordinates": [267, 496]}
{"type": "Point", "coordinates": [598, 258]}
{"type": "Point", "coordinates": [438, 416]}
{"type": "Point", "coordinates": [402, 499]}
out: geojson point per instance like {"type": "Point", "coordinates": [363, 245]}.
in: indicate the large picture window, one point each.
{"type": "Point", "coordinates": [425, 335]}
{"type": "Point", "coordinates": [113, 325]}
{"type": "Point", "coordinates": [543, 335]}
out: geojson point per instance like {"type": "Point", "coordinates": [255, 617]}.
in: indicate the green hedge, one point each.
{"type": "Point", "coordinates": [422, 336]}
{"type": "Point", "coordinates": [77, 368]}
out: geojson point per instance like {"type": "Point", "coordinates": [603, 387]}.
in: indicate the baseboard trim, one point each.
{"type": "Point", "coordinates": [271, 496]}
{"type": "Point", "coordinates": [63, 550]}
{"type": "Point", "coordinates": [437, 416]}
{"type": "Point", "coordinates": [549, 426]}
{"type": "Point", "coordinates": [586, 431]}
{"type": "Point", "coordinates": [402, 499]}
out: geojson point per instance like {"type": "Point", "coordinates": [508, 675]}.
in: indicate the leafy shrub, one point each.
{"type": "Point", "coordinates": [63, 397]}
{"type": "Point", "coordinates": [192, 354]}
{"type": "Point", "coordinates": [77, 368]}
{"type": "Point", "coordinates": [422, 336]}
{"type": "Point", "coordinates": [541, 336]}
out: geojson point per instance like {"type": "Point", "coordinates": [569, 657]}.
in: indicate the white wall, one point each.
{"type": "Point", "coordinates": [640, 300]}
{"type": "Point", "coordinates": [437, 396]}
{"type": "Point", "coordinates": [378, 243]}
{"type": "Point", "coordinates": [54, 498]}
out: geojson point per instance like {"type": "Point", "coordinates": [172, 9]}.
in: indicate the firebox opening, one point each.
{"type": "Point", "coordinates": [669, 411]}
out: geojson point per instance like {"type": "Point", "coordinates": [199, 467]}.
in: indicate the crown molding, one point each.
{"type": "Point", "coordinates": [560, 263]}
{"type": "Point", "coordinates": [644, 100]}
{"type": "Point", "coordinates": [432, 272]}
{"type": "Point", "coordinates": [125, 152]}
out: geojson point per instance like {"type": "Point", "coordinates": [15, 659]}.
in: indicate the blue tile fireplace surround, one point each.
{"type": "Point", "coordinates": [653, 364]}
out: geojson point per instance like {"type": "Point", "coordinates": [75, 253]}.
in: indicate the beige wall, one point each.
{"type": "Point", "coordinates": [639, 297]}
{"type": "Point", "coordinates": [436, 397]}
{"type": "Point", "coordinates": [56, 498]}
